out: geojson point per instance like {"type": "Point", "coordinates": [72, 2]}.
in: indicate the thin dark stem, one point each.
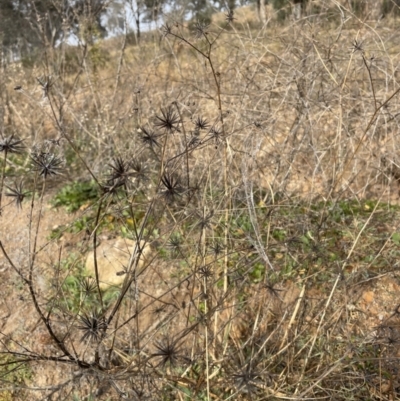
{"type": "Point", "coordinates": [186, 144]}
{"type": "Point", "coordinates": [10, 262]}
{"type": "Point", "coordinates": [133, 262]}
{"type": "Point", "coordinates": [96, 269]}
{"type": "Point", "coordinates": [64, 135]}
{"type": "Point", "coordinates": [46, 321]}
{"type": "Point", "coordinates": [188, 43]}
{"type": "Point", "coordinates": [360, 142]}
{"type": "Point", "coordinates": [195, 274]}
{"type": "Point", "coordinates": [33, 250]}
{"type": "Point", "coordinates": [370, 80]}
{"type": "Point", "coordinates": [3, 173]}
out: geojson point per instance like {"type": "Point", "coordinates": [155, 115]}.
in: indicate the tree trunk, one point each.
{"type": "Point", "coordinates": [297, 9]}
{"type": "Point", "coordinates": [374, 10]}
{"type": "Point", "coordinates": [261, 11]}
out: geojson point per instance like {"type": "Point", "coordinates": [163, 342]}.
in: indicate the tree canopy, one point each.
{"type": "Point", "coordinates": [30, 24]}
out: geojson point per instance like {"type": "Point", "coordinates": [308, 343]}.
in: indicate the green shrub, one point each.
{"type": "Point", "coordinates": [77, 194]}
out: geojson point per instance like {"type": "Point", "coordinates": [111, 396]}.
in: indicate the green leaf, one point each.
{"type": "Point", "coordinates": [396, 238]}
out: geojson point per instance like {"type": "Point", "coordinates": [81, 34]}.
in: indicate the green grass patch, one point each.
{"type": "Point", "coordinates": [77, 194]}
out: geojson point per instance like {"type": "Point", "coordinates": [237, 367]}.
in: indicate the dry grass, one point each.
{"type": "Point", "coordinates": [274, 229]}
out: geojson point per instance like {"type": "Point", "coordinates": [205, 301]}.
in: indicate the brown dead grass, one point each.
{"type": "Point", "coordinates": [303, 128]}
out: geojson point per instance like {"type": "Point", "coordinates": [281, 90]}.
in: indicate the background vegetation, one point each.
{"type": "Point", "coordinates": [257, 170]}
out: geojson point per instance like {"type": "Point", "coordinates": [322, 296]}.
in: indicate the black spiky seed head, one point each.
{"type": "Point", "coordinates": [11, 144]}
{"type": "Point", "coordinates": [120, 168]}
{"type": "Point", "coordinates": [358, 46]}
{"type": "Point", "coordinates": [166, 30]}
{"type": "Point", "coordinates": [245, 380]}
{"type": "Point", "coordinates": [120, 172]}
{"type": "Point", "coordinates": [172, 187]}
{"type": "Point", "coordinates": [139, 170]}
{"type": "Point", "coordinates": [169, 120]}
{"type": "Point", "coordinates": [93, 325]}
{"type": "Point", "coordinates": [216, 248]}
{"type": "Point", "coordinates": [217, 134]}
{"type": "Point", "coordinates": [168, 352]}
{"type": "Point", "coordinates": [200, 29]}
{"type": "Point", "coordinates": [17, 193]}
{"type": "Point", "coordinates": [206, 272]}
{"type": "Point", "coordinates": [46, 164]}
{"type": "Point", "coordinates": [229, 16]}
{"type": "Point", "coordinates": [148, 137]}
{"type": "Point", "coordinates": [175, 244]}
{"type": "Point", "coordinates": [201, 123]}
{"type": "Point", "coordinates": [204, 220]}
{"type": "Point", "coordinates": [274, 292]}
{"type": "Point", "coordinates": [88, 285]}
